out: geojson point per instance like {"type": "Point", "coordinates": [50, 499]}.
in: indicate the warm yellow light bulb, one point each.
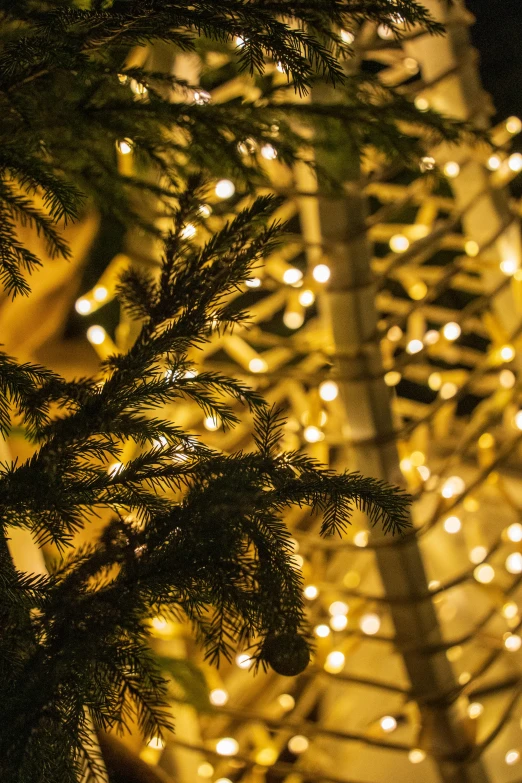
{"type": "Point", "coordinates": [257, 364]}
{"type": "Point", "coordinates": [322, 631]}
{"type": "Point", "coordinates": [189, 231]}
{"type": "Point", "coordinates": [518, 420]}
{"type": "Point", "coordinates": [205, 770]}
{"type": "Point", "coordinates": [338, 622]}
{"type": "Point", "coordinates": [360, 539]}
{"type": "Point", "coordinates": [510, 610]}
{"type": "Point", "coordinates": [100, 293]}
{"type": "Point", "coordinates": [311, 592]}
{"type": "Point", "coordinates": [298, 744]}
{"type": "Point", "coordinates": [334, 662]}
{"type": "Point", "coordinates": [515, 162]}
{"type": "Point", "coordinates": [338, 608]}
{"type": "Point", "coordinates": [321, 273]}
{"type": "Point", "coordinates": [512, 757]}
{"type": "Point", "coordinates": [293, 319]}
{"type": "Point", "coordinates": [422, 104]}
{"type": "Point", "coordinates": [286, 702]}
{"type": "Point", "coordinates": [124, 146]}
{"type": "Point", "coordinates": [227, 746]}
{"type": "Point", "coordinates": [253, 282]}
{"type": "Point", "coordinates": [507, 353]}
{"type": "Point", "coordinates": [268, 152]}
{"type": "Point", "coordinates": [211, 423]}
{"type": "Point", "coordinates": [306, 298]}
{"type": "Point", "coordinates": [416, 755]}
{"type": "Point", "coordinates": [509, 266]}
{"type": "Point", "coordinates": [452, 525]}
{"type": "Point", "coordinates": [513, 125]}
{"type": "Point", "coordinates": [347, 37]}
{"type": "Point", "coordinates": [388, 724]}
{"type": "Point", "coordinates": [225, 188]}
{"type": "Point", "coordinates": [399, 243]}
{"type": "Point", "coordinates": [514, 563]}
{"type": "Point", "coordinates": [512, 642]}
{"type": "Point", "coordinates": [454, 485]}
{"type": "Point", "coordinates": [478, 554]}
{"type": "Point", "coordinates": [494, 162]}
{"type": "Point", "coordinates": [96, 334]}
{"type": "Point", "coordinates": [83, 306]}
{"type": "Point", "coordinates": [313, 434]}
{"type": "Point", "coordinates": [448, 390]}
{"type": "Point", "coordinates": [514, 532]}
{"type": "Point", "coordinates": [243, 660]}
{"type": "Point", "coordinates": [484, 573]}
{"type": "Point", "coordinates": [452, 169]}
{"type": "Point", "coordinates": [218, 697]}
{"type": "Point", "coordinates": [292, 276]}
{"type": "Point", "coordinates": [471, 248]}
{"type": "Point", "coordinates": [506, 379]}
{"type": "Point", "coordinates": [486, 441]}
{"type": "Point", "coordinates": [452, 331]}
{"type": "Point", "coordinates": [394, 333]}
{"type": "Point", "coordinates": [328, 391]}
{"type": "Point", "coordinates": [475, 710]}
{"type": "Point", "coordinates": [414, 346]}
{"type": "Point", "coordinates": [370, 623]}
{"type": "Point", "coordinates": [392, 378]}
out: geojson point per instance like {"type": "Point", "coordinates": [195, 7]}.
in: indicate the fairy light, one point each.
{"type": "Point", "coordinates": [454, 485]}
{"type": "Point", "coordinates": [205, 210]}
{"type": "Point", "coordinates": [392, 378]}
{"type": "Point", "coordinates": [448, 390]}
{"type": "Point", "coordinates": [328, 391]}
{"type": "Point", "coordinates": [159, 623]}
{"type": "Point", "coordinates": [424, 472]}
{"type": "Point", "coordinates": [431, 337]}
{"type": "Point", "coordinates": [507, 353]}
{"type": "Point", "coordinates": [475, 710]}
{"type": "Point", "coordinates": [218, 697]}
{"type": "Point", "coordinates": [83, 306]}
{"type": "Point", "coordinates": [298, 744]}
{"type": "Point", "coordinates": [512, 757]}
{"type": "Point", "coordinates": [388, 724]}
{"type": "Point", "coordinates": [347, 37]}
{"type": "Point", "coordinates": [478, 554]}
{"type": "Point", "coordinates": [227, 746]}
{"type": "Point", "coordinates": [471, 248]}
{"type": "Point", "coordinates": [384, 32]}
{"type": "Point", "coordinates": [321, 273]}
{"type": "Point", "coordinates": [138, 88]}
{"type": "Point", "coordinates": [414, 346]}
{"type": "Point", "coordinates": [418, 291]}
{"type": "Point", "coordinates": [292, 276]}
{"type": "Point", "coordinates": [411, 65]}
{"type": "Point", "coordinates": [268, 152]}
{"type": "Point", "coordinates": [514, 563]}
{"type": "Point", "coordinates": [433, 584]}
{"type": "Point", "coordinates": [394, 333]}
{"type": "Point", "coordinates": [124, 146]}
{"type": "Point", "coordinates": [514, 532]}
{"type": "Point", "coordinates": [509, 266]}
{"type": "Point", "coordinates": [188, 231]}
{"type": "Point", "coordinates": [421, 103]}
{"type": "Point", "coordinates": [338, 622]}
{"type": "Point", "coordinates": [513, 125]}
{"type": "Point", "coordinates": [334, 662]}
{"type": "Point", "coordinates": [484, 573]}
{"type": "Point", "coordinates": [515, 162]}
{"type": "Point", "coordinates": [286, 702]}
{"type": "Point", "coordinates": [257, 364]}
{"type": "Point", "coordinates": [464, 678]}
{"type": "Point", "coordinates": [223, 780]}
{"type": "Point", "coordinates": [360, 539]}
{"type": "Point", "coordinates": [416, 756]}
{"type": "Point", "coordinates": [306, 298]}
{"type": "Point", "coordinates": [370, 623]}
{"type": "Point", "coordinates": [202, 97]}
{"type": "Point", "coordinates": [243, 660]}
{"type": "Point", "coordinates": [518, 420]}
{"type": "Point", "coordinates": [100, 293]}
{"type": "Point", "coordinates": [266, 756]}
{"type": "Point", "coordinates": [156, 743]}
{"type": "Point", "coordinates": [486, 441]}
{"type": "Point", "coordinates": [205, 770]}
{"type": "Point", "coordinates": [427, 163]}
{"type": "Point", "coordinates": [280, 67]}
{"type": "Point", "coordinates": [311, 592]}
{"type": "Point", "coordinates": [452, 525]}
{"type": "Point", "coordinates": [253, 282]}
{"type": "Point", "coordinates": [506, 379]}
{"type": "Point", "coordinates": [239, 42]}
{"type": "Point", "coordinates": [313, 434]}
{"type": "Point", "coordinates": [338, 608]}
{"type": "Point", "coordinates": [293, 320]}
{"type": "Point", "coordinates": [406, 465]}
{"type": "Point", "coordinates": [322, 631]}
{"type": "Point", "coordinates": [225, 188]}
{"type": "Point", "coordinates": [512, 642]}
{"type": "Point", "coordinates": [211, 423]}
{"type": "Point", "coordinates": [399, 243]}
{"type": "Point", "coordinates": [435, 381]}
{"type": "Point", "coordinates": [494, 162]}
{"type": "Point", "coordinates": [96, 334]}
{"type": "Point", "coordinates": [452, 331]}
{"type": "Point", "coordinates": [452, 169]}
{"type": "Point", "coordinates": [509, 610]}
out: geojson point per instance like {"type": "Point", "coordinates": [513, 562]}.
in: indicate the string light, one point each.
{"type": "Point", "coordinates": [414, 346]}
{"type": "Point", "coordinates": [227, 746]}
{"type": "Point", "coordinates": [201, 97]}
{"type": "Point", "coordinates": [328, 391]}
{"type": "Point", "coordinates": [507, 353]}
{"type": "Point", "coordinates": [286, 702]}
{"type": "Point", "coordinates": [427, 163]}
{"type": "Point", "coordinates": [322, 631]}
{"type": "Point", "coordinates": [431, 337]}
{"type": "Point", "coordinates": [484, 573]}
{"type": "Point", "coordinates": [218, 697]}
{"type": "Point", "coordinates": [518, 420]}
{"type": "Point", "coordinates": [223, 780]}
{"type": "Point", "coordinates": [334, 662]}
{"type": "Point", "coordinates": [292, 276]}
{"type": "Point", "coordinates": [239, 42]}
{"type": "Point", "coordinates": [338, 622]}
{"type": "Point", "coordinates": [515, 162]}
{"type": "Point", "coordinates": [422, 104]}
{"type": "Point", "coordinates": [205, 770]}
{"type": "Point", "coordinates": [392, 378]}
{"type": "Point", "coordinates": [225, 188]}
{"type": "Point", "coordinates": [471, 248]}
{"type": "Point", "coordinates": [298, 744]}
{"type": "Point", "coordinates": [100, 293]}
{"type": "Point", "coordinates": [506, 379]}
{"type": "Point", "coordinates": [188, 231]}
{"type": "Point", "coordinates": [510, 610]}
{"type": "Point", "coordinates": [514, 532]}
{"type": "Point", "coordinates": [253, 282]}
{"type": "Point", "coordinates": [416, 756]}
{"type": "Point", "coordinates": [370, 623]}
{"type": "Point", "coordinates": [266, 757]}
{"type": "Point", "coordinates": [293, 320]}
{"type": "Point", "coordinates": [475, 710]}
{"type": "Point", "coordinates": [205, 210]}
{"type": "Point", "coordinates": [486, 441]}
{"type": "Point", "coordinates": [399, 243]}
{"type": "Point", "coordinates": [411, 65]}
{"type": "Point", "coordinates": [96, 334]}
{"type": "Point", "coordinates": [394, 333]}
{"type": "Point", "coordinates": [83, 306]}
{"type": "Point", "coordinates": [321, 273]}
{"type": "Point", "coordinates": [494, 162]}
{"type": "Point", "coordinates": [514, 563]}
{"type": "Point", "coordinates": [313, 434]}
{"type": "Point", "coordinates": [268, 152]}
{"type": "Point", "coordinates": [513, 125]}
{"type": "Point", "coordinates": [512, 757]}
{"type": "Point", "coordinates": [138, 88]}
{"type": "Point", "coordinates": [388, 724]}
{"type": "Point", "coordinates": [338, 608]}
{"type": "Point", "coordinates": [448, 390]}
{"type": "Point", "coordinates": [311, 592]}
{"type": "Point", "coordinates": [464, 678]}
{"type": "Point", "coordinates": [211, 423]}
{"type": "Point", "coordinates": [435, 381]}
{"type": "Point", "coordinates": [347, 37]}
{"type": "Point", "coordinates": [424, 472]}
{"type": "Point", "coordinates": [280, 67]}
{"type": "Point", "coordinates": [452, 525]}
{"type": "Point", "coordinates": [124, 146]}
{"type": "Point", "coordinates": [360, 539]}
{"type": "Point", "coordinates": [384, 32]}
{"type": "Point", "coordinates": [306, 298]}
{"type": "Point", "coordinates": [509, 266]}
{"type": "Point", "coordinates": [156, 743]}
{"type": "Point", "coordinates": [257, 365]}
{"type": "Point", "coordinates": [243, 660]}
{"type": "Point", "coordinates": [452, 331]}
{"type": "Point", "coordinates": [454, 485]}
{"type": "Point", "coordinates": [452, 169]}
{"type": "Point", "coordinates": [478, 554]}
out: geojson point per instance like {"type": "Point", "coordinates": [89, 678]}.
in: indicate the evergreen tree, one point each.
{"type": "Point", "coordinates": [195, 534]}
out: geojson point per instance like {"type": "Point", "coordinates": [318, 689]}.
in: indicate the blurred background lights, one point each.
{"type": "Point", "coordinates": [416, 756]}
{"type": "Point", "coordinates": [452, 169]}
{"type": "Point", "coordinates": [225, 188]}
{"type": "Point", "coordinates": [494, 162]}
{"type": "Point", "coordinates": [484, 573]}
{"type": "Point", "coordinates": [257, 364]}
{"type": "Point", "coordinates": [478, 554]}
{"type": "Point", "coordinates": [514, 532]}
{"type": "Point", "coordinates": [475, 710]}
{"type": "Point", "coordinates": [313, 434]}
{"type": "Point", "coordinates": [96, 334]}
{"type": "Point", "coordinates": [347, 37]}
{"type": "Point", "coordinates": [328, 391]}
{"type": "Point", "coordinates": [512, 757]}
{"type": "Point", "coordinates": [100, 293]}
{"type": "Point", "coordinates": [292, 276]}
{"type": "Point", "coordinates": [311, 592]}
{"type": "Point", "coordinates": [227, 746]}
{"type": "Point", "coordinates": [334, 662]}
{"type": "Point", "coordinates": [286, 702]}
{"type": "Point", "coordinates": [510, 610]}
{"type": "Point", "coordinates": [509, 266]}
{"type": "Point", "coordinates": [451, 331]}
{"type": "Point", "coordinates": [243, 660]}
{"type": "Point", "coordinates": [322, 631]}
{"type": "Point", "coordinates": [452, 525]}
{"type": "Point", "coordinates": [512, 642]}
{"type": "Point", "coordinates": [156, 743]}
{"type": "Point", "coordinates": [218, 697]}
{"type": "Point", "coordinates": [298, 744]}
{"type": "Point", "coordinates": [306, 298]}
{"type": "Point", "coordinates": [513, 125]}
{"type": "Point", "coordinates": [388, 724]}
{"type": "Point", "coordinates": [515, 162]}
{"type": "Point", "coordinates": [370, 623]}
{"type": "Point", "coordinates": [471, 248]}
{"type": "Point", "coordinates": [414, 346]}
{"type": "Point", "coordinates": [321, 273]}
{"type": "Point", "coordinates": [507, 353]}
{"type": "Point", "coordinates": [518, 419]}
{"type": "Point", "coordinates": [268, 152]}
{"type": "Point", "coordinates": [205, 770]}
{"type": "Point", "coordinates": [392, 378]}
{"type": "Point", "coordinates": [514, 563]}
{"type": "Point", "coordinates": [506, 379]}
{"type": "Point", "coordinates": [83, 306]}
{"type": "Point", "coordinates": [394, 333]}
{"type": "Point", "coordinates": [454, 485]}
{"type": "Point", "coordinates": [399, 243]}
{"type": "Point", "coordinates": [338, 622]}
{"type": "Point", "coordinates": [338, 608]}
{"type": "Point", "coordinates": [361, 538]}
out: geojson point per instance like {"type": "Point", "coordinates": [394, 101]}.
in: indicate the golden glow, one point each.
{"type": "Point", "coordinates": [424, 472]}
{"type": "Point", "coordinates": [322, 631]}
{"type": "Point", "coordinates": [464, 678]}
{"type": "Point", "coordinates": [507, 353]}
{"type": "Point", "coordinates": [268, 152]}
{"type": "Point", "coordinates": [515, 162]}
{"type": "Point", "coordinates": [239, 42]}
{"type": "Point", "coordinates": [334, 662]}
{"type": "Point", "coordinates": [388, 724]}
{"type": "Point", "coordinates": [211, 423]}
{"type": "Point", "coordinates": [243, 660]}
{"type": "Point", "coordinates": [414, 346]}
{"type": "Point", "coordinates": [227, 746]}
{"type": "Point", "coordinates": [351, 580]}
{"type": "Point", "coordinates": [486, 441]}
{"type": "Point", "coordinates": [506, 379]}
{"type": "Point", "coordinates": [338, 622]}
{"type": "Point", "coordinates": [384, 32]}
{"type": "Point", "coordinates": [478, 554]}
{"type": "Point", "coordinates": [394, 333]}
{"type": "Point", "coordinates": [96, 334]}
{"type": "Point", "coordinates": [328, 391]}
{"type": "Point", "coordinates": [257, 364]}
{"type": "Point", "coordinates": [360, 539]}
{"type": "Point", "coordinates": [347, 37]}
{"type": "Point", "coordinates": [298, 744]}
{"type": "Point", "coordinates": [338, 608]}
{"type": "Point", "coordinates": [370, 623]}
{"type": "Point", "coordinates": [205, 210]}
{"type": "Point", "coordinates": [422, 104]}
{"type": "Point", "coordinates": [454, 485]}
{"type": "Point", "coordinates": [512, 642]}
{"type": "Point", "coordinates": [510, 610]}
{"type": "Point", "coordinates": [83, 306]}
{"type": "Point", "coordinates": [100, 293]}
{"type": "Point", "coordinates": [156, 743]}
{"type": "Point", "coordinates": [513, 125]}
{"type": "Point", "coordinates": [452, 525]}
{"type": "Point", "coordinates": [471, 248]}
{"type": "Point", "coordinates": [311, 592]}
{"type": "Point", "coordinates": [514, 532]}
{"type": "Point", "coordinates": [205, 770]}
{"type": "Point", "coordinates": [292, 276]}
{"type": "Point", "coordinates": [452, 169]}
{"type": "Point", "coordinates": [218, 697]}
{"type": "Point", "coordinates": [321, 273]}
{"type": "Point", "coordinates": [452, 331]}
{"type": "Point", "coordinates": [392, 378]}
{"type": "Point", "coordinates": [124, 146]}
{"type": "Point", "coordinates": [448, 390]}
{"type": "Point", "coordinates": [509, 266]}
{"type": "Point", "coordinates": [431, 337]}
{"type": "Point", "coordinates": [225, 188]}
{"type": "Point", "coordinates": [514, 563]}
{"type": "Point", "coordinates": [417, 458]}
{"type": "Point", "coordinates": [266, 757]}
{"type": "Point", "coordinates": [518, 420]}
{"type": "Point", "coordinates": [427, 163]}
{"type": "Point", "coordinates": [416, 755]}
{"type": "Point", "coordinates": [399, 243]}
{"type": "Point", "coordinates": [306, 298]}
{"type": "Point", "coordinates": [512, 757]}
{"type": "Point", "coordinates": [475, 710]}
{"type": "Point", "coordinates": [253, 282]}
{"type": "Point", "coordinates": [435, 381]}
{"type": "Point", "coordinates": [293, 320]}
{"type": "Point", "coordinates": [313, 434]}
{"type": "Point", "coordinates": [494, 162]}
{"type": "Point", "coordinates": [188, 231]}
{"type": "Point", "coordinates": [418, 291]}
{"type": "Point", "coordinates": [286, 702]}
{"type": "Point", "coordinates": [484, 573]}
